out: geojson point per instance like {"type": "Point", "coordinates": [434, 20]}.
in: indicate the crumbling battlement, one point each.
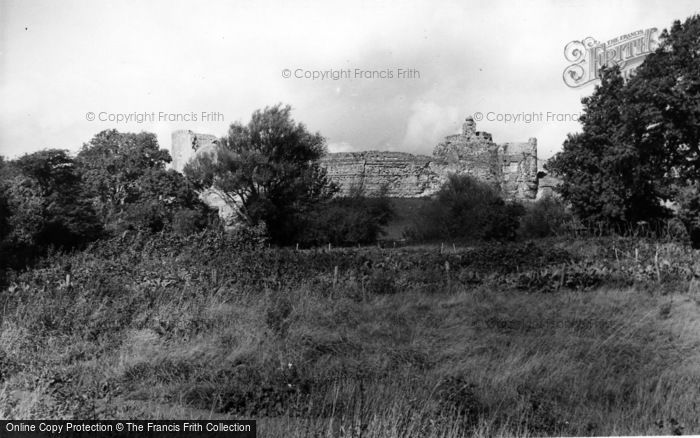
{"type": "Point", "coordinates": [510, 167]}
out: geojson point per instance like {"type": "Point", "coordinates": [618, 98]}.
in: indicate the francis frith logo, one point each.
{"type": "Point", "coordinates": [589, 55]}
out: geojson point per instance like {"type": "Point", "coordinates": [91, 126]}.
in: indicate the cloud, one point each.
{"type": "Point", "coordinates": [341, 147]}
{"type": "Point", "coordinates": [228, 57]}
{"type": "Point", "coordinates": [428, 124]}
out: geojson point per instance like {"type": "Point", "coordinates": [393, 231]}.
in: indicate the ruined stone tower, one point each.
{"type": "Point", "coordinates": [471, 152]}
{"type": "Point", "coordinates": [469, 127]}
{"type": "Point", "coordinates": [185, 144]}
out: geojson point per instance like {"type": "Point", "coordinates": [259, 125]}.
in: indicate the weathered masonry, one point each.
{"type": "Point", "coordinates": [510, 167]}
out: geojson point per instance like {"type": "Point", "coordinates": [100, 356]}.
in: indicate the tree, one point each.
{"type": "Point", "coordinates": [46, 205]}
{"type": "Point", "coordinates": [165, 197]}
{"type": "Point", "coordinates": [607, 175]}
{"type": "Point", "coordinates": [665, 93]}
{"type": "Point", "coordinates": [112, 164]}
{"type": "Point", "coordinates": [268, 171]}
{"type": "Point", "coordinates": [124, 175]}
{"type": "Point", "coordinates": [640, 143]}
{"type": "Point", "coordinates": [666, 90]}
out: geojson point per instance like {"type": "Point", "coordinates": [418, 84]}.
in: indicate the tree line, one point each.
{"type": "Point", "coordinates": [637, 158]}
{"type": "Point", "coordinates": [268, 170]}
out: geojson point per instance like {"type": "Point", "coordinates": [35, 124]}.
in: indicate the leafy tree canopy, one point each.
{"type": "Point", "coordinates": [45, 206]}
{"type": "Point", "coordinates": [268, 170]}
{"type": "Point", "coordinates": [113, 163]}
{"type": "Point", "coordinates": [640, 142]}
{"type": "Point", "coordinates": [125, 176]}
{"type": "Point", "coordinates": [606, 176]}
{"type": "Point", "coordinates": [665, 94]}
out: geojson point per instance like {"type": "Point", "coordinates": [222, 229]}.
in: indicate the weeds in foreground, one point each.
{"type": "Point", "coordinates": [510, 340]}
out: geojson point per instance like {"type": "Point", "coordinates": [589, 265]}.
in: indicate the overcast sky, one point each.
{"type": "Point", "coordinates": [60, 61]}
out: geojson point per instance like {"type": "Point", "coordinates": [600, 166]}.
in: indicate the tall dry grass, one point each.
{"type": "Point", "coordinates": [307, 358]}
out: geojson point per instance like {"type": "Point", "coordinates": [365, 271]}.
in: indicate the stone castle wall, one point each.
{"type": "Point", "coordinates": [404, 175]}
{"type": "Point", "coordinates": [546, 182]}
{"type": "Point", "coordinates": [510, 167]}
{"type": "Point", "coordinates": [519, 168]}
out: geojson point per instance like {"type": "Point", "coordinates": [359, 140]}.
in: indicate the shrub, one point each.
{"type": "Point", "coordinates": [467, 209]}
{"type": "Point", "coordinates": [689, 212]}
{"type": "Point", "coordinates": [188, 221]}
{"type": "Point", "coordinates": [675, 230]}
{"type": "Point", "coordinates": [353, 219]}
{"type": "Point", "coordinates": [545, 217]}
{"type": "Point", "coordinates": [382, 283]}
{"type": "Point", "coordinates": [154, 216]}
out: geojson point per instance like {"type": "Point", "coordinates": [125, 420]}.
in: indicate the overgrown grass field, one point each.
{"type": "Point", "coordinates": [592, 337]}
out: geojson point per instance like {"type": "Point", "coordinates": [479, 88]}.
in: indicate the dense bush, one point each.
{"type": "Point", "coordinates": [689, 212]}
{"type": "Point", "coordinates": [349, 220]}
{"type": "Point", "coordinates": [188, 221]}
{"type": "Point", "coordinates": [467, 209]}
{"type": "Point", "coordinates": [545, 217]}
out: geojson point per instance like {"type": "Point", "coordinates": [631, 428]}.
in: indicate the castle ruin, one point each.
{"type": "Point", "coordinates": [508, 167]}
{"type": "Point", "coordinates": [186, 144]}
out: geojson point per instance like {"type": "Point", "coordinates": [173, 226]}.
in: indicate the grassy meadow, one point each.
{"type": "Point", "coordinates": [599, 336]}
